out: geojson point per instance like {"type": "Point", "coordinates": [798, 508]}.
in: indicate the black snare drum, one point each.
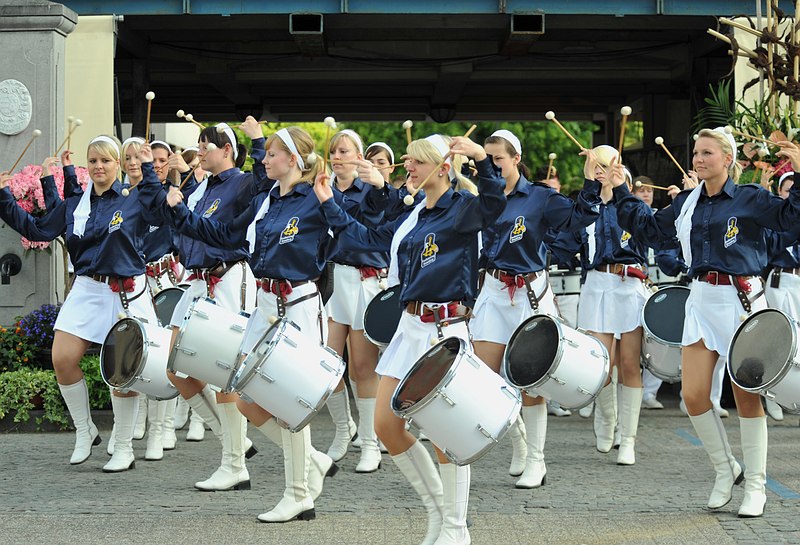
{"type": "Point", "coordinates": [382, 316]}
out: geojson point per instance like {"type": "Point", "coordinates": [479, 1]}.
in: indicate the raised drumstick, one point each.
{"type": "Point", "coordinates": [408, 200]}
{"type": "Point", "coordinates": [625, 111]}
{"type": "Point", "coordinates": [660, 142]}
{"type": "Point", "coordinates": [73, 124]}
{"type": "Point", "coordinates": [36, 134]}
{"type": "Point", "coordinates": [189, 118]}
{"type": "Point", "coordinates": [407, 124]}
{"type": "Point", "coordinates": [330, 123]}
{"type": "Point", "coordinates": [149, 96]}
{"type": "Point", "coordinates": [639, 183]}
{"type": "Point", "coordinates": [731, 130]}
{"type": "Point", "coordinates": [552, 158]}
{"type": "Point", "coordinates": [552, 117]}
{"type": "Point", "coordinates": [209, 147]}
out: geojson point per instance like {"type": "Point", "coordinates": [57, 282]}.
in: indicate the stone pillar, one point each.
{"type": "Point", "coordinates": [32, 37]}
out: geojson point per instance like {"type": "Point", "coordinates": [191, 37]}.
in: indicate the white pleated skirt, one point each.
{"type": "Point", "coordinates": [787, 296]}
{"type": "Point", "coordinates": [496, 316]}
{"type": "Point", "coordinates": [350, 297]}
{"type": "Point", "coordinates": [227, 293]}
{"type": "Point", "coordinates": [713, 313]}
{"type": "Point", "coordinates": [610, 303]}
{"type": "Point", "coordinates": [91, 308]}
{"type": "Point", "coordinates": [410, 342]}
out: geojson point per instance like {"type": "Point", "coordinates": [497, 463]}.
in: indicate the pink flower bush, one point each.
{"type": "Point", "coordinates": [27, 191]}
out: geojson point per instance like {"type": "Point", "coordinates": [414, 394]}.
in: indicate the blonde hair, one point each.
{"type": "Point", "coordinates": [136, 147]}
{"type": "Point", "coordinates": [305, 147]}
{"type": "Point", "coordinates": [107, 150]}
{"type": "Point", "coordinates": [734, 169]}
{"type": "Point", "coordinates": [425, 152]}
{"type": "Point", "coordinates": [338, 136]}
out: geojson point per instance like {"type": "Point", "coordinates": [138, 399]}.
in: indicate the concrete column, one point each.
{"type": "Point", "coordinates": [32, 36]}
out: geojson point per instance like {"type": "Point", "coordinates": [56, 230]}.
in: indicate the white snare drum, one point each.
{"type": "Point", "coordinates": [134, 357]}
{"type": "Point", "coordinates": [289, 374]}
{"type": "Point", "coordinates": [460, 404]}
{"type": "Point", "coordinates": [545, 357]}
{"type": "Point", "coordinates": [565, 282]}
{"type": "Point", "coordinates": [208, 345]}
{"type": "Point", "coordinates": [763, 358]}
{"type": "Point", "coordinates": [662, 319]}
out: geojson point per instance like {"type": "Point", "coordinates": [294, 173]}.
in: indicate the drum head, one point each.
{"type": "Point", "coordinates": [532, 351]}
{"type": "Point", "coordinates": [426, 375]}
{"type": "Point", "coordinates": [122, 354]}
{"type": "Point", "coordinates": [761, 349]}
{"type": "Point", "coordinates": [164, 302]}
{"type": "Point", "coordinates": [383, 315]}
{"type": "Point", "coordinates": [664, 313]}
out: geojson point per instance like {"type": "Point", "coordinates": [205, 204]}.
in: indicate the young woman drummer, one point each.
{"type": "Point", "coordinates": [514, 259]}
{"type": "Point", "coordinates": [289, 242]}
{"type": "Point", "coordinates": [611, 303]}
{"type": "Point", "coordinates": [221, 274]}
{"type": "Point", "coordinates": [434, 253]}
{"type": "Point", "coordinates": [721, 228]}
{"type": "Point", "coordinates": [356, 277]}
{"type": "Point", "coordinates": [104, 230]}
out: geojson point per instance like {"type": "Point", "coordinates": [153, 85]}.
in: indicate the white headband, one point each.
{"type": "Point", "coordinates": [107, 140]}
{"type": "Point", "coordinates": [731, 139]}
{"type": "Point", "coordinates": [788, 174]}
{"type": "Point", "coordinates": [356, 139]}
{"type": "Point", "coordinates": [284, 135]}
{"type": "Point", "coordinates": [444, 149]}
{"type": "Point", "coordinates": [508, 135]}
{"type": "Point", "coordinates": [132, 140]}
{"type": "Point", "coordinates": [192, 148]}
{"type": "Point", "coordinates": [628, 175]}
{"type": "Point", "coordinates": [382, 145]}
{"type": "Point", "coordinates": [231, 136]}
{"type": "Point", "coordinates": [162, 143]}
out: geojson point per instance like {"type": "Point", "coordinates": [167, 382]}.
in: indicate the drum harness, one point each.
{"type": "Point", "coordinates": [213, 275]}
{"type": "Point", "coordinates": [285, 288]}
{"type": "Point", "coordinates": [156, 270]}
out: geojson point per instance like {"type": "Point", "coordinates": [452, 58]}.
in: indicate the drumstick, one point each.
{"type": "Point", "coordinates": [149, 96]}
{"type": "Point", "coordinates": [552, 158]}
{"type": "Point", "coordinates": [408, 200]}
{"type": "Point", "coordinates": [210, 147]}
{"type": "Point", "coordinates": [189, 117]}
{"type": "Point", "coordinates": [660, 142]}
{"type": "Point", "coordinates": [639, 183]}
{"type": "Point", "coordinates": [625, 111]}
{"type": "Point", "coordinates": [330, 123]}
{"type": "Point", "coordinates": [77, 123]}
{"type": "Point", "coordinates": [407, 124]}
{"type": "Point", "coordinates": [731, 130]}
{"type": "Point", "coordinates": [552, 117]}
{"type": "Point", "coordinates": [36, 134]}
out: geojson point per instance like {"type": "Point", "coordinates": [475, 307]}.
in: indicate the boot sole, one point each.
{"type": "Point", "coordinates": [544, 482]}
{"type": "Point", "coordinates": [305, 515]}
{"type": "Point", "coordinates": [97, 440]}
{"type": "Point", "coordinates": [371, 470]}
{"type": "Point", "coordinates": [252, 451]}
{"type": "Point", "coordinates": [244, 485]}
{"type": "Point", "coordinates": [333, 470]}
{"type": "Point", "coordinates": [738, 481]}
{"type": "Point", "coordinates": [132, 466]}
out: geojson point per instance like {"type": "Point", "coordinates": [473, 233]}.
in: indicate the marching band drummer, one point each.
{"type": "Point", "coordinates": [104, 232]}
{"type": "Point", "coordinates": [434, 254]}
{"type": "Point", "coordinates": [611, 303]}
{"type": "Point", "coordinates": [289, 243]}
{"type": "Point", "coordinates": [221, 274]}
{"type": "Point", "coordinates": [515, 282]}
{"type": "Point", "coordinates": [356, 277]}
{"type": "Point", "coordinates": [720, 226]}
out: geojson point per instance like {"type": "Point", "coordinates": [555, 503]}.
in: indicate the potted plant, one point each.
{"type": "Point", "coordinates": [38, 328]}
{"type": "Point", "coordinates": [16, 349]}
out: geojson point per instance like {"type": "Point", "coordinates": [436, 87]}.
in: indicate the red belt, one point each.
{"type": "Point", "coordinates": [207, 277]}
{"type": "Point", "coordinates": [114, 282]}
{"type": "Point", "coordinates": [720, 279]}
{"type": "Point", "coordinates": [513, 281]}
{"type": "Point", "coordinates": [369, 272]}
{"type": "Point", "coordinates": [157, 268]}
{"type": "Point", "coordinates": [623, 270]}
{"type": "Point", "coordinates": [427, 314]}
{"type": "Point", "coordinates": [279, 287]}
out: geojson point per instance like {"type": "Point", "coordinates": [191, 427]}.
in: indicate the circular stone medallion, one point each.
{"type": "Point", "coordinates": [15, 107]}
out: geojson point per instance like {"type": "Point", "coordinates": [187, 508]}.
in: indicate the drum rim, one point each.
{"type": "Point", "coordinates": [142, 360]}
{"type": "Point", "coordinates": [784, 369]}
{"type": "Point", "coordinates": [156, 294]}
{"type": "Point", "coordinates": [647, 332]}
{"type": "Point", "coordinates": [448, 376]}
{"type": "Point", "coordinates": [235, 384]}
{"type": "Point", "coordinates": [182, 330]}
{"type": "Point", "coordinates": [558, 355]}
{"type": "Point", "coordinates": [673, 379]}
{"type": "Point", "coordinates": [379, 344]}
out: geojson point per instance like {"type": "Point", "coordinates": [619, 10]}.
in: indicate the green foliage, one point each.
{"type": "Point", "coordinates": [18, 390]}
{"type": "Point", "coordinates": [719, 109]}
{"type": "Point", "coordinates": [16, 350]}
{"type": "Point", "coordinates": [99, 394]}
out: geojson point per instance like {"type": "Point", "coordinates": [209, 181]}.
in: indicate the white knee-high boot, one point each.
{"type": "Point", "coordinates": [76, 397]}
{"type": "Point", "coordinates": [370, 460]}
{"type": "Point", "coordinates": [141, 420]}
{"type": "Point", "coordinates": [125, 411]}
{"type": "Point", "coordinates": [156, 413]}
{"type": "Point", "coordinates": [168, 438]}
{"type": "Point", "coordinates": [207, 410]}
{"type": "Point", "coordinates": [630, 405]}
{"type": "Point", "coordinates": [181, 413]}
{"type": "Point", "coordinates": [605, 418]}
{"type": "Point", "coordinates": [416, 465]}
{"type": "Point", "coordinates": [711, 432]}
{"type": "Point", "coordinates": [455, 486]}
{"type": "Point", "coordinates": [232, 473]}
{"type": "Point", "coordinates": [296, 502]}
{"type": "Point", "coordinates": [110, 443]}
{"type": "Point", "coordinates": [754, 452]}
{"type": "Point", "coordinates": [517, 433]}
{"type": "Point", "coordinates": [339, 407]}
{"type": "Point", "coordinates": [535, 418]}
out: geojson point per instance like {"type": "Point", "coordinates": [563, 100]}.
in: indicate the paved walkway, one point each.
{"type": "Point", "coordinates": [588, 499]}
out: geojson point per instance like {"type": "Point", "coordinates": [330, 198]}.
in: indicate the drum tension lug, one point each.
{"type": "Point", "coordinates": [265, 376]}
{"type": "Point", "coordinates": [447, 399]}
{"type": "Point", "coordinates": [305, 403]}
{"type": "Point", "coordinates": [223, 365]}
{"type": "Point", "coordinates": [558, 380]}
{"type": "Point", "coordinates": [145, 379]}
{"type": "Point", "coordinates": [486, 433]}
